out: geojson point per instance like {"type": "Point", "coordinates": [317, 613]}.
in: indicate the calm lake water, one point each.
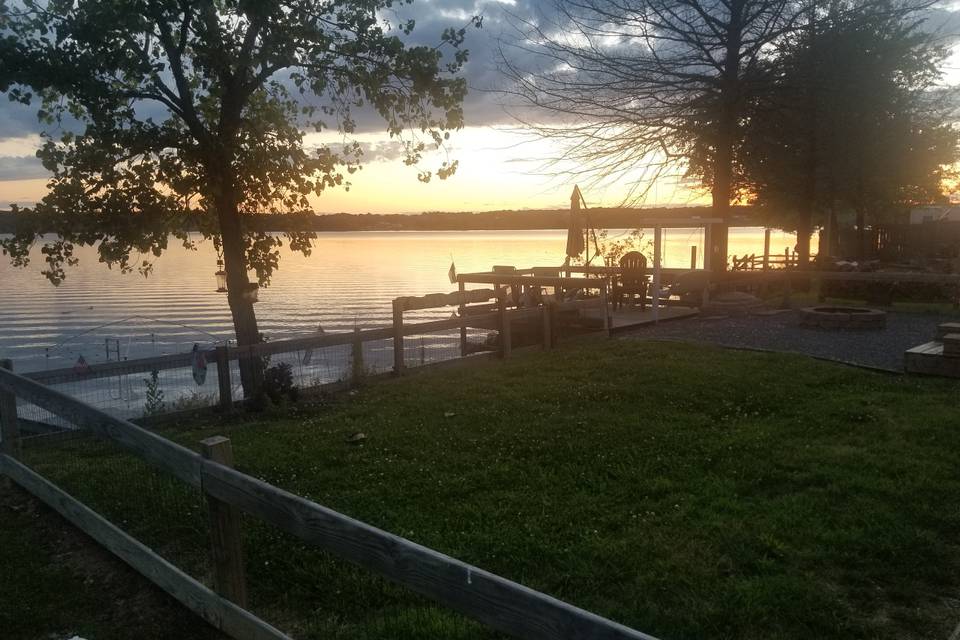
{"type": "Point", "coordinates": [350, 279]}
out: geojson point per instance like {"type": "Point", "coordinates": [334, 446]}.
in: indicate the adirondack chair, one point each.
{"type": "Point", "coordinates": [632, 279]}
{"type": "Point", "coordinates": [512, 292]}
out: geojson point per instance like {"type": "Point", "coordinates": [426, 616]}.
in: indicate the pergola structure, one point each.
{"type": "Point", "coordinates": [658, 224]}
{"type": "Point", "coordinates": [569, 277]}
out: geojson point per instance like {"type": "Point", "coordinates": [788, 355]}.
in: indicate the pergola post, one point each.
{"type": "Point", "coordinates": [766, 249]}
{"type": "Point", "coordinates": [657, 251]}
{"type": "Point", "coordinates": [707, 255]}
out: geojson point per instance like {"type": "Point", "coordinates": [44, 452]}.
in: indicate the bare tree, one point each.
{"type": "Point", "coordinates": [641, 90]}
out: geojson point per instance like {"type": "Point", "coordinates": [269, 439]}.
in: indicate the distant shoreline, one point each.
{"type": "Point", "coordinates": [523, 220]}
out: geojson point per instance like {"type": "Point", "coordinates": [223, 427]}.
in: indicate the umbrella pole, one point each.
{"type": "Point", "coordinates": [586, 244]}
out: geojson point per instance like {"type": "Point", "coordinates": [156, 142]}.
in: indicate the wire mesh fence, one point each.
{"type": "Point", "coordinates": [151, 387]}
{"type": "Point", "coordinates": [310, 367]}
{"type": "Point", "coordinates": [438, 346]}
{"type": "Point", "coordinates": [131, 393]}
{"type": "Point", "coordinates": [134, 389]}
{"type": "Point", "coordinates": [156, 508]}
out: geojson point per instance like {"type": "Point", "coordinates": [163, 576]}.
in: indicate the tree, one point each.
{"type": "Point", "coordinates": [193, 112]}
{"type": "Point", "coordinates": [648, 88]}
{"type": "Point", "coordinates": [854, 120]}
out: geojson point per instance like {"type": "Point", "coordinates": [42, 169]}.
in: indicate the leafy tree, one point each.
{"type": "Point", "coordinates": [179, 113]}
{"type": "Point", "coordinates": [854, 120]}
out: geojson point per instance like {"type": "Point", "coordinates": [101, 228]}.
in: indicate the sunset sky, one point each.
{"type": "Point", "coordinates": [500, 167]}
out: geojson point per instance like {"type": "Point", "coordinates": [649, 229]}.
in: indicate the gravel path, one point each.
{"type": "Point", "coordinates": [780, 331]}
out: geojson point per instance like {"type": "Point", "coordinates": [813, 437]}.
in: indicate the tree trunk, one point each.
{"type": "Point", "coordinates": [238, 283]}
{"type": "Point", "coordinates": [721, 209]}
{"type": "Point", "coordinates": [861, 234]}
{"type": "Point", "coordinates": [803, 239]}
{"type": "Point", "coordinates": [725, 136]}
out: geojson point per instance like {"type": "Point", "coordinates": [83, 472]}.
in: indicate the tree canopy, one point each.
{"type": "Point", "coordinates": [855, 118]}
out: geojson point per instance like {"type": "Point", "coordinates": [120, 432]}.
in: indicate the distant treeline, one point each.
{"type": "Point", "coordinates": [606, 218]}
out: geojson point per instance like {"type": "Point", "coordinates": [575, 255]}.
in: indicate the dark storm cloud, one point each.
{"type": "Point", "coordinates": [432, 18]}
{"type": "Point", "coordinates": [483, 106]}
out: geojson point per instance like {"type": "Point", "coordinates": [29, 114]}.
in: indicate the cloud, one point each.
{"type": "Point", "coordinates": [17, 120]}
{"type": "Point", "coordinates": [484, 105]}
{"type": "Point", "coordinates": [21, 168]}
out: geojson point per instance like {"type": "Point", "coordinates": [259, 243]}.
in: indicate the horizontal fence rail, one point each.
{"type": "Point", "coordinates": [176, 460]}
{"type": "Point", "coordinates": [109, 369]}
{"type": "Point", "coordinates": [312, 342]}
{"type": "Point", "coordinates": [455, 298]}
{"type": "Point", "coordinates": [499, 603]}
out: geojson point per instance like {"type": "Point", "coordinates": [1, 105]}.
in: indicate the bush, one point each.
{"type": "Point", "coordinates": [278, 383]}
{"type": "Point", "coordinates": [155, 403]}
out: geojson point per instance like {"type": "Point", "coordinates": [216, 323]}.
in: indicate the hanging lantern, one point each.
{"type": "Point", "coordinates": [221, 278]}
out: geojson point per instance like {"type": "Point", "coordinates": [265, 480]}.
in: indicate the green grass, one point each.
{"type": "Point", "coordinates": [687, 491]}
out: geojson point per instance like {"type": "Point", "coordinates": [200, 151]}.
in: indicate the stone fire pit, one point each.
{"type": "Point", "coordinates": [842, 318]}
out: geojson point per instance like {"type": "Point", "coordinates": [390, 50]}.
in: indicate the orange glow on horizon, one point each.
{"type": "Point", "coordinates": [495, 172]}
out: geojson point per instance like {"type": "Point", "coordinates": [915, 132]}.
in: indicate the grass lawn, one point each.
{"type": "Point", "coordinates": [686, 491]}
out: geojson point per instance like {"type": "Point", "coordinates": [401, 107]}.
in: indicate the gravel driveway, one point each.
{"type": "Point", "coordinates": [780, 331]}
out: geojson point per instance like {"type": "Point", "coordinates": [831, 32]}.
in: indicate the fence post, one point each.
{"type": "Point", "coordinates": [397, 338]}
{"type": "Point", "coordinates": [358, 368]}
{"type": "Point", "coordinates": [225, 544]}
{"type": "Point", "coordinates": [9, 429]}
{"type": "Point", "coordinates": [506, 335]}
{"type": "Point", "coordinates": [223, 378]}
{"type": "Point", "coordinates": [463, 319]}
{"type": "Point", "coordinates": [606, 310]}
{"type": "Point", "coordinates": [547, 313]}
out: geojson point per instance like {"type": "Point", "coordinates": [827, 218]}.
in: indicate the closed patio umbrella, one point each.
{"type": "Point", "coordinates": [575, 242]}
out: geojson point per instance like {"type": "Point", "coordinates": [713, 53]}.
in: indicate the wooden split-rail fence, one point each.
{"type": "Point", "coordinates": [497, 602]}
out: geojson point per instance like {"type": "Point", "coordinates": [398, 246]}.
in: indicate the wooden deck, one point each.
{"type": "Point", "coordinates": [629, 317]}
{"type": "Point", "coordinates": [928, 359]}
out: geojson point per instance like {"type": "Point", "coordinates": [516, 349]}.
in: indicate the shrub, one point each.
{"type": "Point", "coordinates": [278, 383]}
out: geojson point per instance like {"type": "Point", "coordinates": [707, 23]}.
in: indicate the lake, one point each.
{"type": "Point", "coordinates": [350, 279]}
